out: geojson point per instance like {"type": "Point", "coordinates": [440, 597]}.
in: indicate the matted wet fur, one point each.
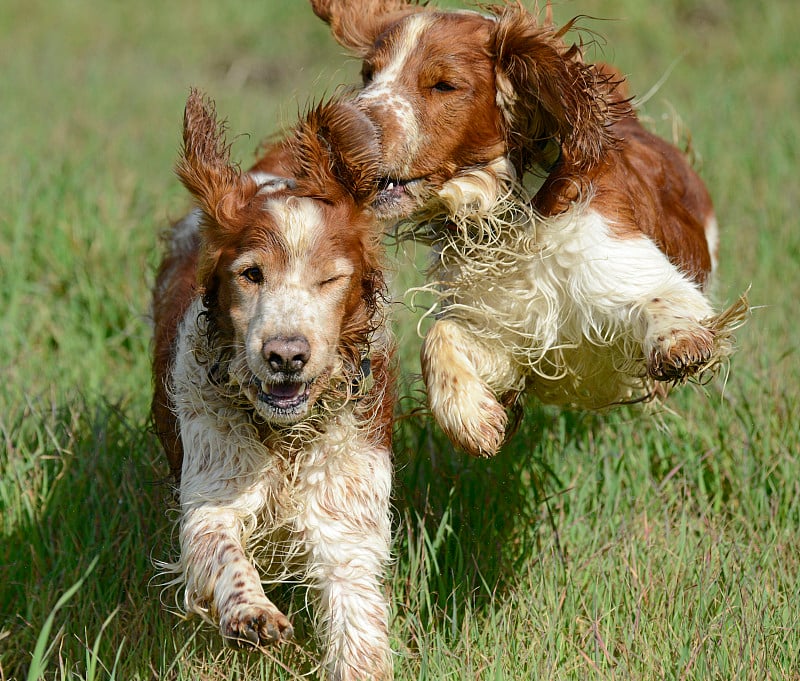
{"type": "Point", "coordinates": [574, 249]}
{"type": "Point", "coordinates": [273, 392]}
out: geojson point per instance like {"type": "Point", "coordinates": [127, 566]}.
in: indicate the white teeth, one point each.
{"type": "Point", "coordinates": [390, 185]}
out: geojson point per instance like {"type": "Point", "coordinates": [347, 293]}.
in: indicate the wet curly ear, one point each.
{"type": "Point", "coordinates": [355, 24]}
{"type": "Point", "coordinates": [204, 166]}
{"type": "Point", "coordinates": [547, 92]}
{"type": "Point", "coordinates": [335, 150]}
{"type": "Point", "coordinates": [221, 190]}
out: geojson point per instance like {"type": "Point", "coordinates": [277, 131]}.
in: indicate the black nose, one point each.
{"type": "Point", "coordinates": [286, 354]}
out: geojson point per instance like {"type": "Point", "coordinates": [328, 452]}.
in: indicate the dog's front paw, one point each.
{"type": "Point", "coordinates": [470, 416]}
{"type": "Point", "coordinates": [461, 402]}
{"type": "Point", "coordinates": [250, 624]}
{"type": "Point", "coordinates": [680, 353]}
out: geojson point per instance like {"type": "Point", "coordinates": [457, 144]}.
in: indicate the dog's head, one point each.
{"type": "Point", "coordinates": [455, 91]}
{"type": "Point", "coordinates": [290, 275]}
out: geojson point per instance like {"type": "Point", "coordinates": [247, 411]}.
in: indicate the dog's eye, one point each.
{"type": "Point", "coordinates": [367, 73]}
{"type": "Point", "coordinates": [253, 274]}
{"type": "Point", "coordinates": [330, 280]}
{"type": "Point", "coordinates": [443, 86]}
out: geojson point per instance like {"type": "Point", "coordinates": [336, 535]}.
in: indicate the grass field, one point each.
{"type": "Point", "coordinates": [616, 546]}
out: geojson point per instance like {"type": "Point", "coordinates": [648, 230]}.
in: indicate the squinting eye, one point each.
{"type": "Point", "coordinates": [366, 74]}
{"type": "Point", "coordinates": [443, 86]}
{"type": "Point", "coordinates": [253, 274]}
{"type": "Point", "coordinates": [330, 280]}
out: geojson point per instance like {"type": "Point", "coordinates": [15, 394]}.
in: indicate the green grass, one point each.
{"type": "Point", "coordinates": [617, 546]}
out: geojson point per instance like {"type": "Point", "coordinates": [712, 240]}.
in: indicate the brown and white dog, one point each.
{"type": "Point", "coordinates": [593, 291]}
{"type": "Point", "coordinates": [273, 397]}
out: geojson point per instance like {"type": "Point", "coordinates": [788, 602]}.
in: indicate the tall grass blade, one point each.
{"type": "Point", "coordinates": [41, 651]}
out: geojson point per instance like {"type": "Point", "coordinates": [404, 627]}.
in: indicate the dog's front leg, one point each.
{"type": "Point", "coordinates": [345, 525]}
{"type": "Point", "coordinates": [219, 500]}
{"type": "Point", "coordinates": [459, 373]}
{"type": "Point", "coordinates": [222, 584]}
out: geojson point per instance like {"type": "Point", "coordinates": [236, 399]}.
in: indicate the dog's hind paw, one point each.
{"type": "Point", "coordinates": [681, 353]}
{"type": "Point", "coordinates": [247, 624]}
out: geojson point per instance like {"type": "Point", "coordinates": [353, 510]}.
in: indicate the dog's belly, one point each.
{"type": "Point", "coordinates": [588, 376]}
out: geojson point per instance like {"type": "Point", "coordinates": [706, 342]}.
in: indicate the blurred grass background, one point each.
{"type": "Point", "coordinates": [612, 547]}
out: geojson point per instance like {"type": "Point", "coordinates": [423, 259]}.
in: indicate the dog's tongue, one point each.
{"type": "Point", "coordinates": [285, 391]}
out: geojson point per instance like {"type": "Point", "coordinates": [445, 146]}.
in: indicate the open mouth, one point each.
{"type": "Point", "coordinates": [394, 196]}
{"type": "Point", "coordinates": [392, 187]}
{"type": "Point", "coordinates": [285, 397]}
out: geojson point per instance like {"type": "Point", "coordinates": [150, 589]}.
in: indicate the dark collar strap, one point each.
{"type": "Point", "coordinates": [358, 382]}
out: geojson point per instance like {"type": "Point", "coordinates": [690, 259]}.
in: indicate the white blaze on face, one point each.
{"type": "Point", "coordinates": [300, 221]}
{"type": "Point", "coordinates": [387, 92]}
{"type": "Point", "coordinates": [270, 183]}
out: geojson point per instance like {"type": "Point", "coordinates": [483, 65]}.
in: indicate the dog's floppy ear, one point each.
{"type": "Point", "coordinates": [204, 166]}
{"type": "Point", "coordinates": [547, 92]}
{"type": "Point", "coordinates": [335, 152]}
{"type": "Point", "coordinates": [220, 189]}
{"type": "Point", "coordinates": [356, 24]}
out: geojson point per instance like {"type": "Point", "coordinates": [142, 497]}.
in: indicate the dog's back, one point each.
{"type": "Point", "coordinates": [648, 185]}
{"type": "Point", "coordinates": [175, 287]}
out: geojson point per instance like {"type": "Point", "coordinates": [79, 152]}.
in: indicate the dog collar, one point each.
{"type": "Point", "coordinates": [551, 155]}
{"type": "Point", "coordinates": [357, 384]}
